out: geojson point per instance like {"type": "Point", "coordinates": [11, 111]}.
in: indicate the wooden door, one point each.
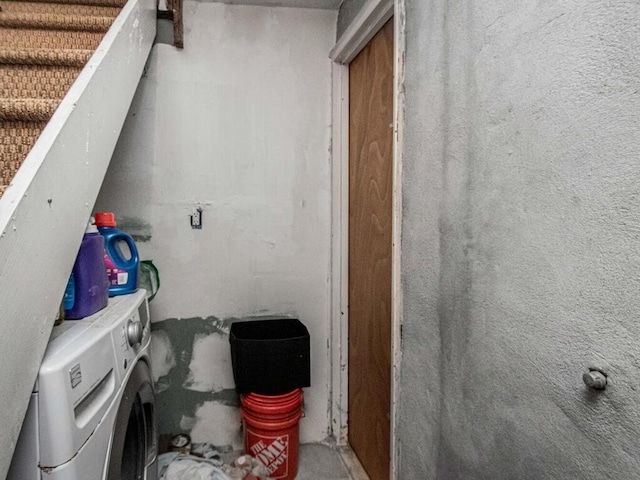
{"type": "Point", "coordinates": [370, 214]}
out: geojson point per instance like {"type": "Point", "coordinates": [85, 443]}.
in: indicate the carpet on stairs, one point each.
{"type": "Point", "coordinates": [43, 47]}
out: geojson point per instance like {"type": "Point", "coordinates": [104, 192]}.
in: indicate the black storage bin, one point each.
{"type": "Point", "coordinates": [270, 357]}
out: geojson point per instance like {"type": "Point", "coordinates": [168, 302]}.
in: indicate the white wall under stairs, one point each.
{"type": "Point", "coordinates": [44, 212]}
{"type": "Point", "coordinates": [238, 124]}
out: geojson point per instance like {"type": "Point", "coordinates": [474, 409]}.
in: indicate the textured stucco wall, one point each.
{"type": "Point", "coordinates": [522, 147]}
{"type": "Point", "coordinates": [424, 266]}
{"type": "Point", "coordinates": [238, 124]}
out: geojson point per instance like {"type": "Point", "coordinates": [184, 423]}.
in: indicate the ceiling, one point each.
{"type": "Point", "coordinates": [324, 4]}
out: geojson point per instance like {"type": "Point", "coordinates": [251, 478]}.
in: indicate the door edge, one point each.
{"type": "Point", "coordinates": [373, 15]}
{"type": "Point", "coordinates": [396, 235]}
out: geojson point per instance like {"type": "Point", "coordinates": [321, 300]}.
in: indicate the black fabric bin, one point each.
{"type": "Point", "coordinates": [270, 357]}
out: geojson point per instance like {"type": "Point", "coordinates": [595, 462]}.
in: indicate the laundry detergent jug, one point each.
{"type": "Point", "coordinates": [87, 290]}
{"type": "Point", "coordinates": [120, 255]}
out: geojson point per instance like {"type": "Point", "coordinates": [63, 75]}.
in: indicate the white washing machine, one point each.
{"type": "Point", "coordinates": [92, 414]}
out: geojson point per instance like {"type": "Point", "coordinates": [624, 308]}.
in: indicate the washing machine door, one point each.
{"type": "Point", "coordinates": [133, 449]}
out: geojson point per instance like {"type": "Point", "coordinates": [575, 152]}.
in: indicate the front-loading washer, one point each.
{"type": "Point", "coordinates": [92, 415]}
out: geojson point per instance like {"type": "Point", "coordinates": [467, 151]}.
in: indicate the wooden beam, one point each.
{"type": "Point", "coordinates": [174, 13]}
{"type": "Point", "coordinates": [178, 32]}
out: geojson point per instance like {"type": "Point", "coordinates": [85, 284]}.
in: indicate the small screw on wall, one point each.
{"type": "Point", "coordinates": [196, 219]}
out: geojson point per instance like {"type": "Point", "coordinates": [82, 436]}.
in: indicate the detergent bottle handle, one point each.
{"type": "Point", "coordinates": [116, 254]}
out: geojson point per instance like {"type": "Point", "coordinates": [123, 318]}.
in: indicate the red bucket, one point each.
{"type": "Point", "coordinates": [271, 431]}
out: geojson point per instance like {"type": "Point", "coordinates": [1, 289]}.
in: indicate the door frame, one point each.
{"type": "Point", "coordinates": [371, 18]}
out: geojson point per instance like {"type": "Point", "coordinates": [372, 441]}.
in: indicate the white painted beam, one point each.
{"type": "Point", "coordinates": [370, 19]}
{"type": "Point", "coordinates": [396, 276]}
{"type": "Point", "coordinates": [339, 253]}
{"type": "Point", "coordinates": [44, 211]}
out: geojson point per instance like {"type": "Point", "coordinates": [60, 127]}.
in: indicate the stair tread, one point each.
{"type": "Point", "coordinates": [27, 109]}
{"type": "Point", "coordinates": [44, 56]}
{"type": "Point", "coordinates": [16, 140]}
{"type": "Point", "coordinates": [36, 81]}
{"type": "Point", "coordinates": [39, 38]}
{"type": "Point", "coordinates": [44, 45]}
{"type": "Point", "coordinates": [60, 9]}
{"type": "Point", "coordinates": [103, 3]}
{"type": "Point", "coordinates": [55, 21]}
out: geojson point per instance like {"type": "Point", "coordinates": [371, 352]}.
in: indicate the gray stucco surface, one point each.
{"type": "Point", "coordinates": [521, 240]}
{"type": "Point", "coordinates": [422, 259]}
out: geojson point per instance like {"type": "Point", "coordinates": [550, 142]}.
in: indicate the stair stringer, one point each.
{"type": "Point", "coordinates": [44, 212]}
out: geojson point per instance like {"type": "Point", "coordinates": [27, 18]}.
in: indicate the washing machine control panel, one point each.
{"type": "Point", "coordinates": [132, 335]}
{"type": "Point", "coordinates": [134, 332]}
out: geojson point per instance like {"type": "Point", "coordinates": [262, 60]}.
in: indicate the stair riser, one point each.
{"type": "Point", "coordinates": [16, 140]}
{"type": "Point", "coordinates": [44, 57]}
{"type": "Point", "coordinates": [27, 109]}
{"type": "Point", "coordinates": [22, 38]}
{"type": "Point", "coordinates": [59, 9]}
{"type": "Point", "coordinates": [102, 3]}
{"type": "Point", "coordinates": [43, 47]}
{"type": "Point", "coordinates": [27, 81]}
{"type": "Point", "coordinates": [55, 22]}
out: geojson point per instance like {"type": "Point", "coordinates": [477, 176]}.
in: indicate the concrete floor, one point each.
{"type": "Point", "coordinates": [320, 462]}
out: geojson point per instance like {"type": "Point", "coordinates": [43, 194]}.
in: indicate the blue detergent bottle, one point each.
{"type": "Point", "coordinates": [120, 255]}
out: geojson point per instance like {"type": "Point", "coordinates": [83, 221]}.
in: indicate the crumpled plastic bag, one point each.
{"type": "Point", "coordinates": [208, 451]}
{"type": "Point", "coordinates": [205, 463]}
{"type": "Point", "coordinates": [180, 466]}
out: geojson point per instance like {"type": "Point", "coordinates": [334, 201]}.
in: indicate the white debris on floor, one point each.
{"type": "Point", "coordinates": [183, 466]}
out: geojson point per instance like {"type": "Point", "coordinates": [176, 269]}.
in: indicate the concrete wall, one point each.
{"type": "Point", "coordinates": [238, 124]}
{"type": "Point", "coordinates": [521, 245]}
{"type": "Point", "coordinates": [426, 272]}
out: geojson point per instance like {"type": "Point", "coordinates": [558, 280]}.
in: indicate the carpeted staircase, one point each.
{"type": "Point", "coordinates": [43, 48]}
